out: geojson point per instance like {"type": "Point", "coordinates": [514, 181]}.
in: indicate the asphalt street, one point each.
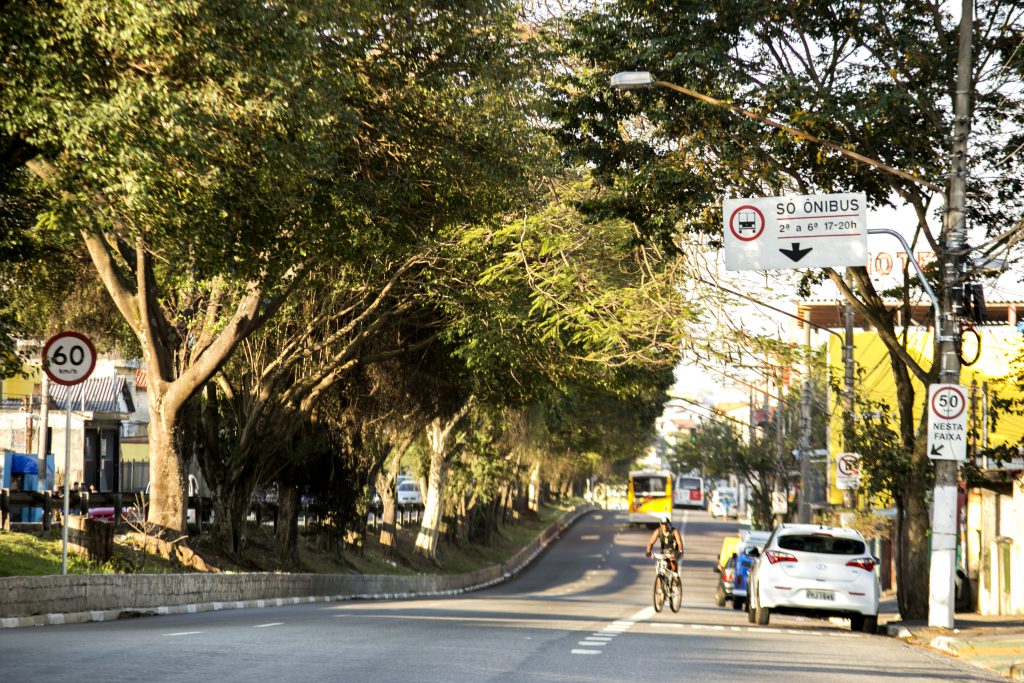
{"type": "Point", "coordinates": [581, 613]}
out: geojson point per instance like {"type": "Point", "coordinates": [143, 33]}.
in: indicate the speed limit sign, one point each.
{"type": "Point", "coordinates": [947, 422]}
{"type": "Point", "coordinates": [69, 358]}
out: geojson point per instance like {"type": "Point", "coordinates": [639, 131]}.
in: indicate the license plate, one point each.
{"type": "Point", "coordinates": [821, 595]}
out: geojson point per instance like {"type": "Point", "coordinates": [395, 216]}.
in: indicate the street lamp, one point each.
{"type": "Point", "coordinates": [632, 80]}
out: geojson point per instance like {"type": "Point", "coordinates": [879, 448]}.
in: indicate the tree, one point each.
{"type": "Point", "coordinates": [209, 156]}
{"type": "Point", "coordinates": [719, 450]}
{"type": "Point", "coordinates": [874, 77]}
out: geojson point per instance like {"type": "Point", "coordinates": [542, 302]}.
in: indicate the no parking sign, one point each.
{"type": "Point", "coordinates": [848, 471]}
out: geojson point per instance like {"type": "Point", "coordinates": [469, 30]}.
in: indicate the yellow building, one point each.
{"type": "Point", "coordinates": [992, 523]}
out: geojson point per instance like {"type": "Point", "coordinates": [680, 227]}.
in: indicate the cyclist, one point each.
{"type": "Point", "coordinates": [671, 541]}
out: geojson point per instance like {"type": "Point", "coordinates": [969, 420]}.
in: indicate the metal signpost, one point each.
{"type": "Point", "coordinates": [68, 359]}
{"type": "Point", "coordinates": [806, 231]}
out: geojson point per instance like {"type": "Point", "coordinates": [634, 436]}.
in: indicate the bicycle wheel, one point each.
{"type": "Point", "coordinates": [675, 593]}
{"type": "Point", "coordinates": [659, 593]}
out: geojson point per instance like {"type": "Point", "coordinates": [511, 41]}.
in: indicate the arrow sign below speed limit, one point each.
{"type": "Point", "coordinates": [947, 422]}
{"type": "Point", "coordinates": [69, 358]}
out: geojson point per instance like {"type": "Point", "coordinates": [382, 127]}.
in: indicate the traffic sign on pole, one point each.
{"type": "Point", "coordinates": [806, 231]}
{"type": "Point", "coordinates": [947, 422]}
{"type": "Point", "coordinates": [848, 471]}
{"type": "Point", "coordinates": [69, 358]}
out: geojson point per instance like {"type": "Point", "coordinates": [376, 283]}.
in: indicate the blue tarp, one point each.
{"type": "Point", "coordinates": [24, 464]}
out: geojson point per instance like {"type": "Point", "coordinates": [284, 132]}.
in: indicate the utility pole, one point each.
{"type": "Point", "coordinates": [849, 495]}
{"type": "Point", "coordinates": [804, 513]}
{"type": "Point", "coordinates": [780, 477]}
{"type": "Point", "coordinates": [941, 602]}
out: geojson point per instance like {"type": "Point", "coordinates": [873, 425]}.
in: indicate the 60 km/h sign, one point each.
{"type": "Point", "coordinates": [806, 231]}
{"type": "Point", "coordinates": [69, 358]}
{"type": "Point", "coordinates": [947, 422]}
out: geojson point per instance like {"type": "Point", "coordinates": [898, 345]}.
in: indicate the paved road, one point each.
{"type": "Point", "coordinates": [581, 613]}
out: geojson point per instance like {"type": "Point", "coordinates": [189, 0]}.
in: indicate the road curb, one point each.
{"type": "Point", "coordinates": [506, 571]}
{"type": "Point", "coordinates": [897, 631]}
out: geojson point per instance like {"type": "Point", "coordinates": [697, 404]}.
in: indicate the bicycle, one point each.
{"type": "Point", "coordinates": [667, 584]}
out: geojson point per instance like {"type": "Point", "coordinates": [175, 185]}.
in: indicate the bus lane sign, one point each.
{"type": "Point", "coordinates": [947, 422]}
{"type": "Point", "coordinates": [804, 231]}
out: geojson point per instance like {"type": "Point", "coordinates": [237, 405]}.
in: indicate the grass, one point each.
{"type": "Point", "coordinates": [27, 554]}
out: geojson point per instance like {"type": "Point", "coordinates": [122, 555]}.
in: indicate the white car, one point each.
{"type": "Point", "coordinates": [409, 493]}
{"type": "Point", "coordinates": [817, 570]}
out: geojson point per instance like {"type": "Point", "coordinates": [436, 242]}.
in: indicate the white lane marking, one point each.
{"type": "Point", "coordinates": [275, 623]}
{"type": "Point", "coordinates": [600, 636]}
{"type": "Point", "coordinates": [183, 633]}
{"type": "Point", "coordinates": [585, 652]}
{"type": "Point", "coordinates": [589, 643]}
{"type": "Point", "coordinates": [682, 525]}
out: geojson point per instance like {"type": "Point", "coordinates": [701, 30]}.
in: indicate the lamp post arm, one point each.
{"type": "Point", "coordinates": [936, 305]}
{"type": "Point", "coordinates": [800, 134]}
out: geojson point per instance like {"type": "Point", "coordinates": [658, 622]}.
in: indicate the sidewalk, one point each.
{"type": "Point", "coordinates": [994, 643]}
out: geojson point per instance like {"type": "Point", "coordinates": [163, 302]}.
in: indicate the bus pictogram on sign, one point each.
{"type": "Point", "coordinates": [747, 223]}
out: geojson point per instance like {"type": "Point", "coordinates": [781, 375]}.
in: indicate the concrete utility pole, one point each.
{"type": "Point", "coordinates": [805, 430]}
{"type": "Point", "coordinates": [941, 602]}
{"type": "Point", "coordinates": [850, 495]}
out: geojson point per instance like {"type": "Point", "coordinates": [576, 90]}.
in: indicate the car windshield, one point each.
{"type": "Point", "coordinates": [407, 487]}
{"type": "Point", "coordinates": [688, 483]}
{"type": "Point", "coordinates": [649, 486]}
{"type": "Point", "coordinates": [822, 543]}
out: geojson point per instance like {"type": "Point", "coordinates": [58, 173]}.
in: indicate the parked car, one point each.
{"type": "Point", "coordinates": [816, 570]}
{"type": "Point", "coordinates": [751, 544]}
{"type": "Point", "coordinates": [729, 545]}
{"type": "Point", "coordinates": [724, 589]}
{"type": "Point", "coordinates": [409, 493]}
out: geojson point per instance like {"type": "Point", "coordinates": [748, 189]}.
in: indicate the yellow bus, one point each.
{"type": "Point", "coordinates": [649, 495]}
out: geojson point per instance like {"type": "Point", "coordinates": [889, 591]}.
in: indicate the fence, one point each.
{"type": "Point", "coordinates": [108, 507]}
{"type": "Point", "coordinates": [134, 476]}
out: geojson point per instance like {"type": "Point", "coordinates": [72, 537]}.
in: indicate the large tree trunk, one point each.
{"type": "Point", "coordinates": [288, 523]}
{"type": "Point", "coordinates": [430, 527]}
{"type": "Point", "coordinates": [535, 497]}
{"type": "Point", "coordinates": [167, 492]}
{"type": "Point", "coordinates": [439, 432]}
{"type": "Point", "coordinates": [388, 499]}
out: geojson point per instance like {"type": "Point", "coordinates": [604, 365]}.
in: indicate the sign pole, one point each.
{"type": "Point", "coordinates": [67, 485]}
{"type": "Point", "coordinates": [68, 359]}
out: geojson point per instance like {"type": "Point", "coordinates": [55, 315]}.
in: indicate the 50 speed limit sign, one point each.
{"type": "Point", "coordinates": [69, 358]}
{"type": "Point", "coordinates": [947, 422]}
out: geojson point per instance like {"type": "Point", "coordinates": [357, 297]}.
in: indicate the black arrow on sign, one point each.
{"type": "Point", "coordinates": [937, 450]}
{"type": "Point", "coordinates": [795, 253]}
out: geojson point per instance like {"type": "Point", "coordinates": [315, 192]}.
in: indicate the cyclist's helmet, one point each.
{"type": "Point", "coordinates": [666, 520]}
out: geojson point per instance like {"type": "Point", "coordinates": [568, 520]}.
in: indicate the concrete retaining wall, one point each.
{"type": "Point", "coordinates": [33, 600]}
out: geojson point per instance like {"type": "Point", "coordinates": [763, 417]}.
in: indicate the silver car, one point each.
{"type": "Point", "coordinates": [816, 570]}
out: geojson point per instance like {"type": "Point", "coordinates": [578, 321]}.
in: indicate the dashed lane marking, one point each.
{"type": "Point", "coordinates": [274, 623]}
{"type": "Point", "coordinates": [602, 637]}
{"type": "Point", "coordinates": [183, 633]}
